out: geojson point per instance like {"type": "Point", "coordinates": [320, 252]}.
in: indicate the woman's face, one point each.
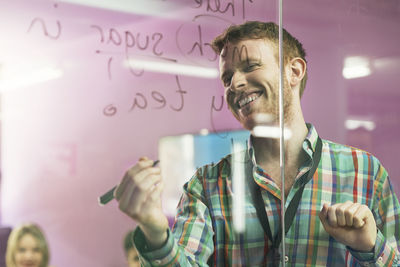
{"type": "Point", "coordinates": [133, 258]}
{"type": "Point", "coordinates": [28, 252]}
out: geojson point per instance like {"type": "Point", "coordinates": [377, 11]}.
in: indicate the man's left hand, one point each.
{"type": "Point", "coordinates": [351, 224]}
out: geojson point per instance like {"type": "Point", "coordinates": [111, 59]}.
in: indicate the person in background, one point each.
{"type": "Point", "coordinates": [131, 254]}
{"type": "Point", "coordinates": [340, 207]}
{"type": "Point", "coordinates": [27, 246]}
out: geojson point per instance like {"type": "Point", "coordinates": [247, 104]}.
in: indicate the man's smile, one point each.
{"type": "Point", "coordinates": [246, 99]}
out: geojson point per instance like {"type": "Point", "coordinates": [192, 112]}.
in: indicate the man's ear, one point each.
{"type": "Point", "coordinates": [297, 71]}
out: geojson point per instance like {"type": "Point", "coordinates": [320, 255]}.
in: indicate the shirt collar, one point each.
{"type": "Point", "coordinates": [311, 138]}
{"type": "Point", "coordinates": [309, 143]}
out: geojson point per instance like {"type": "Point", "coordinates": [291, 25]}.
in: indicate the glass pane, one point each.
{"type": "Point", "coordinates": [353, 72]}
{"type": "Point", "coordinates": [351, 98]}
{"type": "Point", "coordinates": [88, 88]}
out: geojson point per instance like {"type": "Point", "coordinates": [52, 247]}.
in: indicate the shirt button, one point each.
{"type": "Point", "coordinates": [286, 258]}
{"type": "Point", "coordinates": [157, 261]}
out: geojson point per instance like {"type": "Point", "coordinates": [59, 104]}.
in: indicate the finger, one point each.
{"type": "Point", "coordinates": [349, 214]}
{"type": "Point", "coordinates": [139, 180]}
{"type": "Point", "coordinates": [341, 210]}
{"type": "Point", "coordinates": [130, 174]}
{"type": "Point", "coordinates": [125, 198]}
{"type": "Point", "coordinates": [132, 200]}
{"type": "Point", "coordinates": [157, 190]}
{"type": "Point", "coordinates": [332, 219]}
{"type": "Point", "coordinates": [153, 194]}
{"type": "Point", "coordinates": [149, 182]}
{"type": "Point", "coordinates": [141, 188]}
{"type": "Point", "coordinates": [121, 187]}
{"type": "Point", "coordinates": [360, 216]}
{"type": "Point", "coordinates": [323, 216]}
{"type": "Point", "coordinates": [144, 173]}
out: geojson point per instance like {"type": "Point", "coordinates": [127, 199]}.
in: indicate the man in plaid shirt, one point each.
{"type": "Point", "coordinates": [345, 212]}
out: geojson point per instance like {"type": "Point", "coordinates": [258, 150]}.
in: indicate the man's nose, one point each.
{"type": "Point", "coordinates": [238, 81]}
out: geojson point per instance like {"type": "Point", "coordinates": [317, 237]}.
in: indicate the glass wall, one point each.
{"type": "Point", "coordinates": [87, 88]}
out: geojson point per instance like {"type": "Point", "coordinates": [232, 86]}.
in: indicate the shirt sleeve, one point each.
{"type": "Point", "coordinates": [190, 243]}
{"type": "Point", "coordinates": [385, 208]}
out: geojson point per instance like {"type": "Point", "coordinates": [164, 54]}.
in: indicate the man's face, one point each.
{"type": "Point", "coordinates": [250, 74]}
{"type": "Point", "coordinates": [28, 252]}
{"type": "Point", "coordinates": [133, 258]}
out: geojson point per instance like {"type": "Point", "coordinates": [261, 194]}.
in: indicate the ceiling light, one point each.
{"type": "Point", "coordinates": [356, 67]}
{"type": "Point", "coordinates": [352, 124]}
{"type": "Point", "coordinates": [17, 76]}
{"type": "Point", "coordinates": [173, 68]}
{"type": "Point", "coordinates": [141, 7]}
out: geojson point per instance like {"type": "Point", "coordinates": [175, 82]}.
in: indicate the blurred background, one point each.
{"type": "Point", "coordinates": [88, 87]}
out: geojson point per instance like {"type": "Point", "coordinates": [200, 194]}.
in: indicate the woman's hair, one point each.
{"type": "Point", "coordinates": [16, 235]}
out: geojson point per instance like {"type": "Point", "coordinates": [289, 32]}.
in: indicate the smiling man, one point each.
{"type": "Point", "coordinates": [340, 209]}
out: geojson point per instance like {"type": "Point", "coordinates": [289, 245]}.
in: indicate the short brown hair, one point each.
{"type": "Point", "coordinates": [262, 30]}
{"type": "Point", "coordinates": [16, 235]}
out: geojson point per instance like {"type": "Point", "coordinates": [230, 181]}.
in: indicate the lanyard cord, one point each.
{"type": "Point", "coordinates": [293, 205]}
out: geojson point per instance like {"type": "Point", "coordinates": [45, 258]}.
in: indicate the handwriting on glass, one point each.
{"type": "Point", "coordinates": [133, 42]}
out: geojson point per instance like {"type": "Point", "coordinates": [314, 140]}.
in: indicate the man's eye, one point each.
{"type": "Point", "coordinates": [227, 81]}
{"type": "Point", "coordinates": [251, 67]}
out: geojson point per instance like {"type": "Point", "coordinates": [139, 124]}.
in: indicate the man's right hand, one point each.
{"type": "Point", "coordinates": [139, 197]}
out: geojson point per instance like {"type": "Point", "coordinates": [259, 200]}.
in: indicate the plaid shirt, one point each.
{"type": "Point", "coordinates": [203, 233]}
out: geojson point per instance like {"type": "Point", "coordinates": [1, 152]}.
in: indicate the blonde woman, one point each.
{"type": "Point", "coordinates": [27, 246]}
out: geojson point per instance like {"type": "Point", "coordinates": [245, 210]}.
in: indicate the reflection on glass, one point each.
{"type": "Point", "coordinates": [180, 156]}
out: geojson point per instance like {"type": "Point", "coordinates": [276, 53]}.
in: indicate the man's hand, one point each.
{"type": "Point", "coordinates": [139, 196]}
{"type": "Point", "coordinates": [351, 224]}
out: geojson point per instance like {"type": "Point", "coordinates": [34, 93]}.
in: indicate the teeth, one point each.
{"type": "Point", "coordinates": [246, 100]}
